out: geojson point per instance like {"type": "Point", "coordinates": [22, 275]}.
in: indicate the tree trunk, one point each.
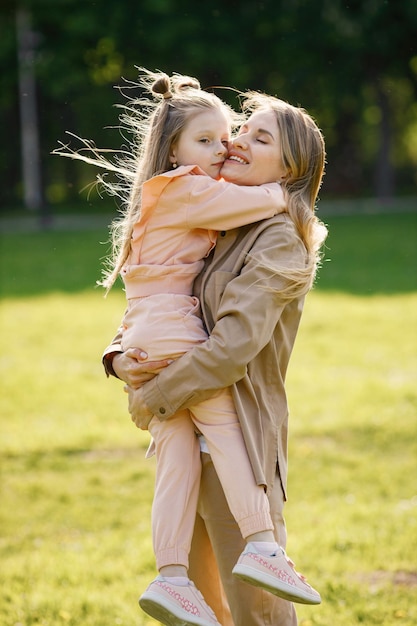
{"type": "Point", "coordinates": [31, 168]}
{"type": "Point", "coordinates": [384, 171]}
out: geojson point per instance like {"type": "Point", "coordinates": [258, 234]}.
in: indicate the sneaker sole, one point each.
{"type": "Point", "coordinates": [285, 591]}
{"type": "Point", "coordinates": [163, 611]}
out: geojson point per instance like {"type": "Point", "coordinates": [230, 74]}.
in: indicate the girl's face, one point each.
{"type": "Point", "coordinates": [255, 154]}
{"type": "Point", "coordinates": [203, 142]}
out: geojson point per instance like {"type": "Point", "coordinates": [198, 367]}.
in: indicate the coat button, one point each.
{"type": "Point", "coordinates": [162, 410]}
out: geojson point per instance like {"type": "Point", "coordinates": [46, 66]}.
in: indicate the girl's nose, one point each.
{"type": "Point", "coordinates": [222, 149]}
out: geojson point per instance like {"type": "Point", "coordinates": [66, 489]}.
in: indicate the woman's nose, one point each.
{"type": "Point", "coordinates": [240, 142]}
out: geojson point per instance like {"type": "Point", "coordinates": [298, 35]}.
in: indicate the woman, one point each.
{"type": "Point", "coordinates": [252, 292]}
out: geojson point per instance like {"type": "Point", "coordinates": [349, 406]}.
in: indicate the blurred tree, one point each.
{"type": "Point", "coordinates": [352, 64]}
{"type": "Point", "coordinates": [372, 45]}
{"type": "Point", "coordinates": [26, 44]}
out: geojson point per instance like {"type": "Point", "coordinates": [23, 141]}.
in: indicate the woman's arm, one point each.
{"type": "Point", "coordinates": [110, 353]}
{"type": "Point", "coordinates": [130, 366]}
{"type": "Point", "coordinates": [248, 314]}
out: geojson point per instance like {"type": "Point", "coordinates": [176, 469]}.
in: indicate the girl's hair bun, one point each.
{"type": "Point", "coordinates": [162, 86]}
{"type": "Point", "coordinates": [181, 83]}
{"type": "Point", "coordinates": [178, 83]}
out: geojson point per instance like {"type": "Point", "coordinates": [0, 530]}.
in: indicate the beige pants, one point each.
{"type": "Point", "coordinates": [215, 548]}
{"type": "Point", "coordinates": [178, 472]}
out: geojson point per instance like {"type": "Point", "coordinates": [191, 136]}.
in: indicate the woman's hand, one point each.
{"type": "Point", "coordinates": [131, 367]}
{"type": "Point", "coordinates": [139, 412]}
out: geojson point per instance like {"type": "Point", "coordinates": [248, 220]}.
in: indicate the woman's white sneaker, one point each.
{"type": "Point", "coordinates": [275, 574]}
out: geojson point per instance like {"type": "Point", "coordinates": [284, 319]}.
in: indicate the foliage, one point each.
{"type": "Point", "coordinates": [353, 65]}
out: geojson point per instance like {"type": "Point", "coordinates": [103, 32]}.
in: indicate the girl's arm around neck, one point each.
{"type": "Point", "coordinates": [220, 205]}
{"type": "Point", "coordinates": [217, 204]}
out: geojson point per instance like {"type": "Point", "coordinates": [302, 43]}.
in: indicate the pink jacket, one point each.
{"type": "Point", "coordinates": [181, 212]}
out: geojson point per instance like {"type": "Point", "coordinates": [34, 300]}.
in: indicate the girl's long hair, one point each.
{"type": "Point", "coordinates": [153, 123]}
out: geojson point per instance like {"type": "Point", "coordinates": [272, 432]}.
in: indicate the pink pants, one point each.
{"type": "Point", "coordinates": [178, 474]}
{"type": "Point", "coordinates": [167, 326]}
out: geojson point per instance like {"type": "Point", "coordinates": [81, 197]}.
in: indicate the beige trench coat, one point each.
{"type": "Point", "coordinates": [252, 333]}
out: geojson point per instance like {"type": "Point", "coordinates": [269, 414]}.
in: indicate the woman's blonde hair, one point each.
{"type": "Point", "coordinates": [303, 155]}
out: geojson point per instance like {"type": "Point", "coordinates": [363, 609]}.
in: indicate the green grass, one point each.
{"type": "Point", "coordinates": [76, 490]}
{"type": "Point", "coordinates": [371, 254]}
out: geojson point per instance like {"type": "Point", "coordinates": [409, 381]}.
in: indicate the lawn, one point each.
{"type": "Point", "coordinates": [76, 490]}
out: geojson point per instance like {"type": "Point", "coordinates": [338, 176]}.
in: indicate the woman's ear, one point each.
{"type": "Point", "coordinates": [173, 155]}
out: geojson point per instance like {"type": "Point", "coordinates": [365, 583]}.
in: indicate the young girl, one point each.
{"type": "Point", "coordinates": [159, 246]}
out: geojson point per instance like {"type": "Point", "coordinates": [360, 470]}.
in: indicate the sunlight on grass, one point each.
{"type": "Point", "coordinates": [352, 512]}
{"type": "Point", "coordinates": [55, 371]}
{"type": "Point", "coordinates": [76, 490]}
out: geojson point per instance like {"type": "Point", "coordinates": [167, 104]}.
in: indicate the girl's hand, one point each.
{"type": "Point", "coordinates": [139, 412]}
{"type": "Point", "coordinates": [131, 367]}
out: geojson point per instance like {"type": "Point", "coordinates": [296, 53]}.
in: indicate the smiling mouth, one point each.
{"type": "Point", "coordinates": [237, 159]}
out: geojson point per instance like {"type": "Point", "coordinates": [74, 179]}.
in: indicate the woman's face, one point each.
{"type": "Point", "coordinates": [255, 154]}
